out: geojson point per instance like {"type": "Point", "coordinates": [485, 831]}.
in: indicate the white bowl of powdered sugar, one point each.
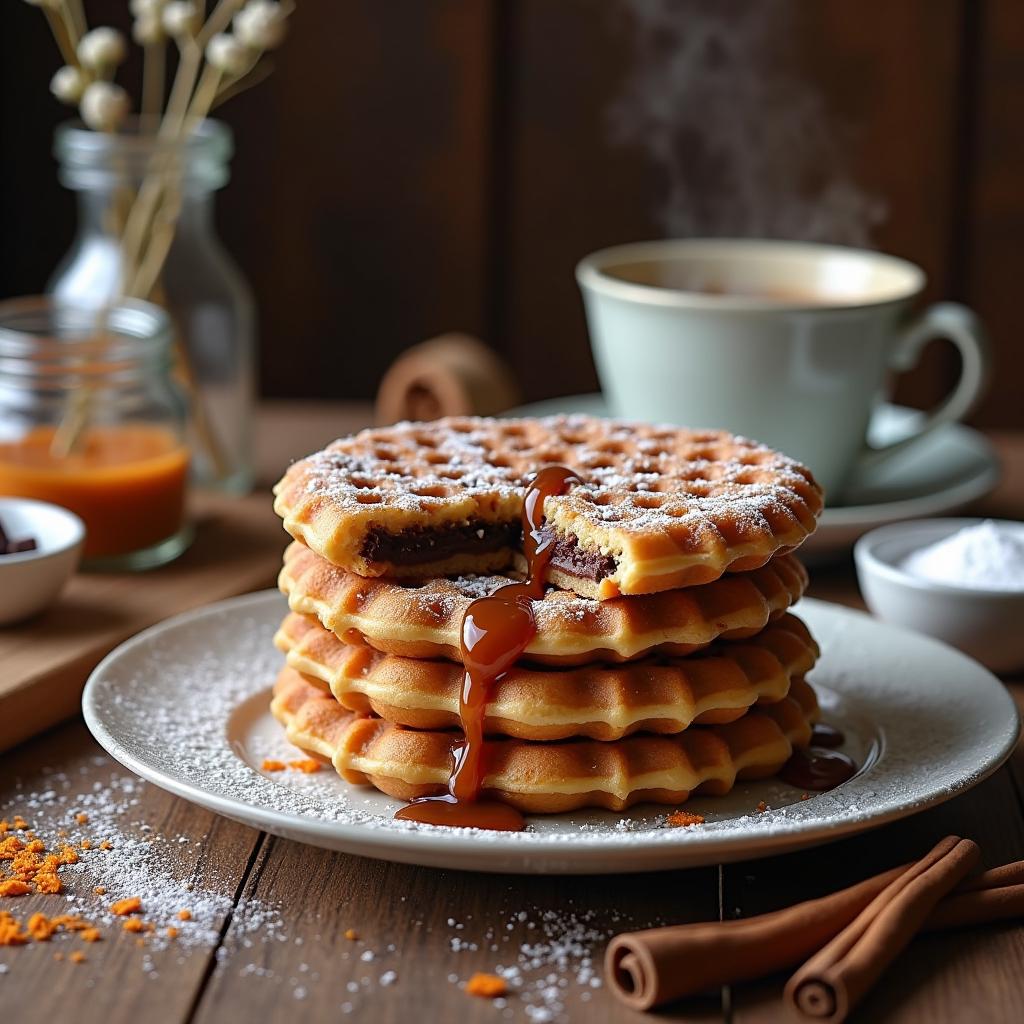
{"type": "Point", "coordinates": [961, 580]}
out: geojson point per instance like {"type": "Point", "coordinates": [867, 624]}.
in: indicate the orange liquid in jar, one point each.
{"type": "Point", "coordinates": [127, 483]}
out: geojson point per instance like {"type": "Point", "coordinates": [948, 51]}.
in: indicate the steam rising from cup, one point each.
{"type": "Point", "coordinates": [749, 149]}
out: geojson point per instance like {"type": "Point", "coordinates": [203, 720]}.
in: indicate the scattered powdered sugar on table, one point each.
{"type": "Point", "coordinates": [548, 958]}
{"type": "Point", "coordinates": [125, 857]}
{"type": "Point", "coordinates": [986, 556]}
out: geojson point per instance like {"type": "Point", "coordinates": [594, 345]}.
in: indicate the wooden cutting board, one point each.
{"type": "Point", "coordinates": [44, 663]}
{"type": "Point", "coordinates": [239, 542]}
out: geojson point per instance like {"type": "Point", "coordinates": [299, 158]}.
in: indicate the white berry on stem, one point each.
{"type": "Point", "coordinates": [67, 84]}
{"type": "Point", "coordinates": [261, 24]}
{"type": "Point", "coordinates": [225, 53]}
{"type": "Point", "coordinates": [104, 106]}
{"type": "Point", "coordinates": [102, 48]}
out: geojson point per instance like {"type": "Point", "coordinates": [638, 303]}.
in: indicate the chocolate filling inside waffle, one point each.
{"type": "Point", "coordinates": [419, 546]}
{"type": "Point", "coordinates": [579, 562]}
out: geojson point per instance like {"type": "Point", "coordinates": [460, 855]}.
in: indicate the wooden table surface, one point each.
{"type": "Point", "coordinates": [268, 937]}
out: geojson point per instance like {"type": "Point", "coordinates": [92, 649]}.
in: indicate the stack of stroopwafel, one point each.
{"type": "Point", "coordinates": [665, 658]}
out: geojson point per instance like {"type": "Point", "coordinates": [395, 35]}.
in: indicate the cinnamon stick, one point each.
{"type": "Point", "coordinates": [833, 981]}
{"type": "Point", "coordinates": [649, 968]}
{"type": "Point", "coordinates": [653, 967]}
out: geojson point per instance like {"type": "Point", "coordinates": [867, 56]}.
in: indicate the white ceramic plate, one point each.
{"type": "Point", "coordinates": [942, 473]}
{"type": "Point", "coordinates": [184, 705]}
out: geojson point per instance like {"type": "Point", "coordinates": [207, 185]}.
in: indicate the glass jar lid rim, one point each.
{"type": "Point", "coordinates": [74, 142]}
{"type": "Point", "coordinates": [35, 325]}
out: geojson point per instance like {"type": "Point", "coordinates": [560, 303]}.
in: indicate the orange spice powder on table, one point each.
{"type": "Point", "coordinates": [48, 882]}
{"type": "Point", "coordinates": [680, 819]}
{"type": "Point", "coordinates": [29, 867]}
{"type": "Point", "coordinates": [487, 986]}
{"type": "Point", "coordinates": [131, 905]}
{"type": "Point", "coordinates": [10, 847]}
{"type": "Point", "coordinates": [11, 932]}
{"type": "Point", "coordinates": [41, 927]}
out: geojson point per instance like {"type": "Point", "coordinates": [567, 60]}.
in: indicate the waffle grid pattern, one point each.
{"type": "Point", "coordinates": [672, 507]}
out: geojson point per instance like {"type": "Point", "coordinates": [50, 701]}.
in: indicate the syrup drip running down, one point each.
{"type": "Point", "coordinates": [824, 735]}
{"type": "Point", "coordinates": [495, 632]}
{"type": "Point", "coordinates": [819, 768]}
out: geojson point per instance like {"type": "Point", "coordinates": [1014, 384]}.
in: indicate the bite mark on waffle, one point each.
{"type": "Point", "coordinates": [658, 507]}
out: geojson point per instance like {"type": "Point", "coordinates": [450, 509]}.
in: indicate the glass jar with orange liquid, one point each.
{"type": "Point", "coordinates": [92, 419]}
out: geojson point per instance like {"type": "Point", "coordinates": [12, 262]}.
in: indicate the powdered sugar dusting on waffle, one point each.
{"type": "Point", "coordinates": [412, 465]}
{"type": "Point", "coordinates": [656, 508]}
{"type": "Point", "coordinates": [441, 599]}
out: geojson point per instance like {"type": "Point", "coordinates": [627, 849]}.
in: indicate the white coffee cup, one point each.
{"type": "Point", "coordinates": [790, 343]}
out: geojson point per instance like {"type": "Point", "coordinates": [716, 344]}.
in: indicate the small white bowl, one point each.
{"type": "Point", "coordinates": [986, 624]}
{"type": "Point", "coordinates": [31, 580]}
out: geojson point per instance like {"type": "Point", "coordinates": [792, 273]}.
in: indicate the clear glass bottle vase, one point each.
{"type": "Point", "coordinates": [200, 286]}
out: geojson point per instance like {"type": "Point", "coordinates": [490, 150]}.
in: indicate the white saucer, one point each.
{"type": "Point", "coordinates": [184, 705]}
{"type": "Point", "coordinates": [941, 474]}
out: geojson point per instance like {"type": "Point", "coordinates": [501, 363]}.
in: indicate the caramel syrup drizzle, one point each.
{"type": "Point", "coordinates": [496, 630]}
{"type": "Point", "coordinates": [819, 768]}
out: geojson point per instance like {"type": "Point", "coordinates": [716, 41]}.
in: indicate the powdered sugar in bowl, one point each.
{"type": "Point", "coordinates": [961, 580]}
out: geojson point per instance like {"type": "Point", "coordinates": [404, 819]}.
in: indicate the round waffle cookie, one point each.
{"type": "Point", "coordinates": [657, 508]}
{"type": "Point", "coordinates": [423, 619]}
{"type": "Point", "coordinates": [548, 778]}
{"type": "Point", "coordinates": [601, 702]}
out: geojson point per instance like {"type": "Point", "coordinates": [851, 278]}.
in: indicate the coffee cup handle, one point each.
{"type": "Point", "coordinates": [962, 327]}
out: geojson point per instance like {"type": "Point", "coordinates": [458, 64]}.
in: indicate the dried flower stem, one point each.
{"type": "Point", "coordinates": [76, 17]}
{"type": "Point", "coordinates": [256, 74]}
{"type": "Point", "coordinates": [160, 239]}
{"type": "Point", "coordinates": [64, 30]}
{"type": "Point", "coordinates": [144, 207]}
{"type": "Point", "coordinates": [218, 20]}
{"type": "Point", "coordinates": [200, 418]}
{"type": "Point", "coordinates": [154, 73]}
{"type": "Point", "coordinates": [146, 221]}
{"type": "Point", "coordinates": [71, 429]}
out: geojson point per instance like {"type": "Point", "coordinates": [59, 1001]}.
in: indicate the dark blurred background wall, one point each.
{"type": "Point", "coordinates": [414, 166]}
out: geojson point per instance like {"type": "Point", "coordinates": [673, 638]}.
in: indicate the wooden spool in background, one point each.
{"type": "Point", "coordinates": [450, 375]}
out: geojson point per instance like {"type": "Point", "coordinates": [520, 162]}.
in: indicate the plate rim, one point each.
{"type": "Point", "coordinates": [587, 853]}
